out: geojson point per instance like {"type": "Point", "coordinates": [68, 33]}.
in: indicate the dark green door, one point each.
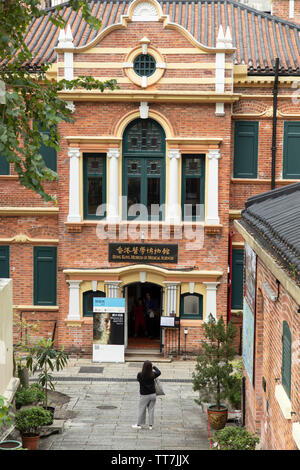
{"type": "Point", "coordinates": [143, 170]}
{"type": "Point", "coordinates": [45, 268]}
{"type": "Point", "coordinates": [237, 279]}
{"type": "Point", "coordinates": [4, 261]}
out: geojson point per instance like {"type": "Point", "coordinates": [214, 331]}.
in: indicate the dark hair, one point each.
{"type": "Point", "coordinates": [147, 372]}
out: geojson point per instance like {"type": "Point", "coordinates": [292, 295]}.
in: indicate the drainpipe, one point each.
{"type": "Point", "coordinates": [274, 130]}
{"type": "Point", "coordinates": [229, 276]}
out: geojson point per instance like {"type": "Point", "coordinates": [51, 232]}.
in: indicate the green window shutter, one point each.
{"type": "Point", "coordinates": [291, 150]}
{"type": "Point", "coordinates": [237, 279]}
{"type": "Point", "coordinates": [45, 274]}
{"type": "Point", "coordinates": [4, 261]}
{"type": "Point", "coordinates": [49, 155]}
{"type": "Point", "coordinates": [286, 371]}
{"type": "Point", "coordinates": [4, 166]}
{"type": "Point", "coordinates": [245, 149]}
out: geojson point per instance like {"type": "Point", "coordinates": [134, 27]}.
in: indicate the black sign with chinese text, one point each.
{"type": "Point", "coordinates": [142, 253]}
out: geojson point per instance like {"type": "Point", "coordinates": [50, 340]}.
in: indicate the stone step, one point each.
{"type": "Point", "coordinates": [141, 355]}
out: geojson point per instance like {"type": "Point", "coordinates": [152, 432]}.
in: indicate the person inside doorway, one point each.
{"type": "Point", "coordinates": [139, 318]}
{"type": "Point", "coordinates": [150, 311]}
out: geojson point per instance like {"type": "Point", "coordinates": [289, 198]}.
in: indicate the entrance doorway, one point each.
{"type": "Point", "coordinates": [144, 308]}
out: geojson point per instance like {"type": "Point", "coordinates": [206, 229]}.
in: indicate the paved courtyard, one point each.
{"type": "Point", "coordinates": [179, 421]}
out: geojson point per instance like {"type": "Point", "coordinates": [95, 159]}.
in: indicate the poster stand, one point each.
{"type": "Point", "coordinates": [108, 329]}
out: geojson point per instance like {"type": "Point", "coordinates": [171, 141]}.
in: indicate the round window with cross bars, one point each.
{"type": "Point", "coordinates": [144, 65]}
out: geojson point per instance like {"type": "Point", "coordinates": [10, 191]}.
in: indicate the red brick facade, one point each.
{"type": "Point", "coordinates": [184, 101]}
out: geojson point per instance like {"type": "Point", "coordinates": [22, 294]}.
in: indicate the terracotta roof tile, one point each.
{"type": "Point", "coordinates": [258, 37]}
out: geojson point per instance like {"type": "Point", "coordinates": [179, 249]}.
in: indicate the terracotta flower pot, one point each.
{"type": "Point", "coordinates": [30, 442]}
{"type": "Point", "coordinates": [217, 418]}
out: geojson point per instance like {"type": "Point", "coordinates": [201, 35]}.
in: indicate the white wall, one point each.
{"type": "Point", "coordinates": [8, 383]}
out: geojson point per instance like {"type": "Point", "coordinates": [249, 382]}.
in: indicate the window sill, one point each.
{"type": "Point", "coordinates": [190, 322]}
{"type": "Point", "coordinates": [283, 401]}
{"type": "Point", "coordinates": [48, 308]}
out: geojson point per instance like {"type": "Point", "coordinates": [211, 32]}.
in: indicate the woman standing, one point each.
{"type": "Point", "coordinates": [147, 394]}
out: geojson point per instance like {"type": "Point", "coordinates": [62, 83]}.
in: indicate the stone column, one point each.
{"type": "Point", "coordinates": [113, 185]}
{"type": "Point", "coordinates": [74, 300]}
{"type": "Point", "coordinates": [211, 299]}
{"type": "Point", "coordinates": [173, 204]}
{"type": "Point", "coordinates": [212, 213]}
{"type": "Point", "coordinates": [172, 289]}
{"type": "Point", "coordinates": [113, 288]}
{"type": "Point", "coordinates": [74, 189]}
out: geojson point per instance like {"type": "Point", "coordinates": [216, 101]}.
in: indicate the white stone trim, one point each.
{"type": "Point", "coordinates": [113, 155]}
{"type": "Point", "coordinates": [74, 300]}
{"type": "Point", "coordinates": [144, 82]}
{"type": "Point", "coordinates": [172, 291]}
{"type": "Point", "coordinates": [173, 215]}
{"type": "Point", "coordinates": [283, 401]}
{"type": "Point", "coordinates": [291, 8]}
{"type": "Point", "coordinates": [145, 11]}
{"type": "Point", "coordinates": [212, 215]}
{"type": "Point", "coordinates": [74, 186]}
{"type": "Point", "coordinates": [211, 299]}
{"type": "Point", "coordinates": [127, 65]}
{"type": "Point", "coordinates": [113, 288]}
{"type": "Point", "coordinates": [144, 110]}
{"type": "Point", "coordinates": [296, 434]}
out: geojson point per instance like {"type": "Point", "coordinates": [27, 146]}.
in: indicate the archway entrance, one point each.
{"type": "Point", "coordinates": [144, 308]}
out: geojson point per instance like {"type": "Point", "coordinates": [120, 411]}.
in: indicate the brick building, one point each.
{"type": "Point", "coordinates": [190, 128]}
{"type": "Point", "coordinates": [271, 353]}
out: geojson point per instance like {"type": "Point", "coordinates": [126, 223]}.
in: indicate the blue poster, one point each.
{"type": "Point", "coordinates": [248, 339]}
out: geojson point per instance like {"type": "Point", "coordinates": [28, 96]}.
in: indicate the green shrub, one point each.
{"type": "Point", "coordinates": [233, 384]}
{"type": "Point", "coordinates": [234, 438]}
{"type": "Point", "coordinates": [29, 420]}
{"type": "Point", "coordinates": [5, 413]}
{"type": "Point", "coordinates": [28, 395]}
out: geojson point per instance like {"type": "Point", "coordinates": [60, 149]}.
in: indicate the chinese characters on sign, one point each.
{"type": "Point", "coordinates": [141, 253]}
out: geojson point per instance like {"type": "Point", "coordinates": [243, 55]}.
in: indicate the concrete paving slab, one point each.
{"type": "Point", "coordinates": [179, 422]}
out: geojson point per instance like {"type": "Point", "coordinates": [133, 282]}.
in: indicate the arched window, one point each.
{"type": "Point", "coordinates": [286, 365]}
{"type": "Point", "coordinates": [88, 297]}
{"type": "Point", "coordinates": [191, 306]}
{"type": "Point", "coordinates": [143, 170]}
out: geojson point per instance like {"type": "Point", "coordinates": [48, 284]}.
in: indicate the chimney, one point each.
{"type": "Point", "coordinates": [286, 9]}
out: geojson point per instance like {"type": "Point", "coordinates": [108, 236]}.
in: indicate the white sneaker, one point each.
{"type": "Point", "coordinates": [136, 426]}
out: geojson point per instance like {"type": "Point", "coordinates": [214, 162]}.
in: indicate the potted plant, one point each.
{"type": "Point", "coordinates": [29, 422]}
{"type": "Point", "coordinates": [45, 358]}
{"type": "Point", "coordinates": [234, 438]}
{"type": "Point", "coordinates": [6, 416]}
{"type": "Point", "coordinates": [213, 368]}
{"type": "Point", "coordinates": [31, 395]}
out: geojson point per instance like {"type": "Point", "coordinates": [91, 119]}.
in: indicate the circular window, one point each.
{"type": "Point", "coordinates": [144, 65]}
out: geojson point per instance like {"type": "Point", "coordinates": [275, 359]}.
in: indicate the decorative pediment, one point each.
{"type": "Point", "coordinates": [145, 11]}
